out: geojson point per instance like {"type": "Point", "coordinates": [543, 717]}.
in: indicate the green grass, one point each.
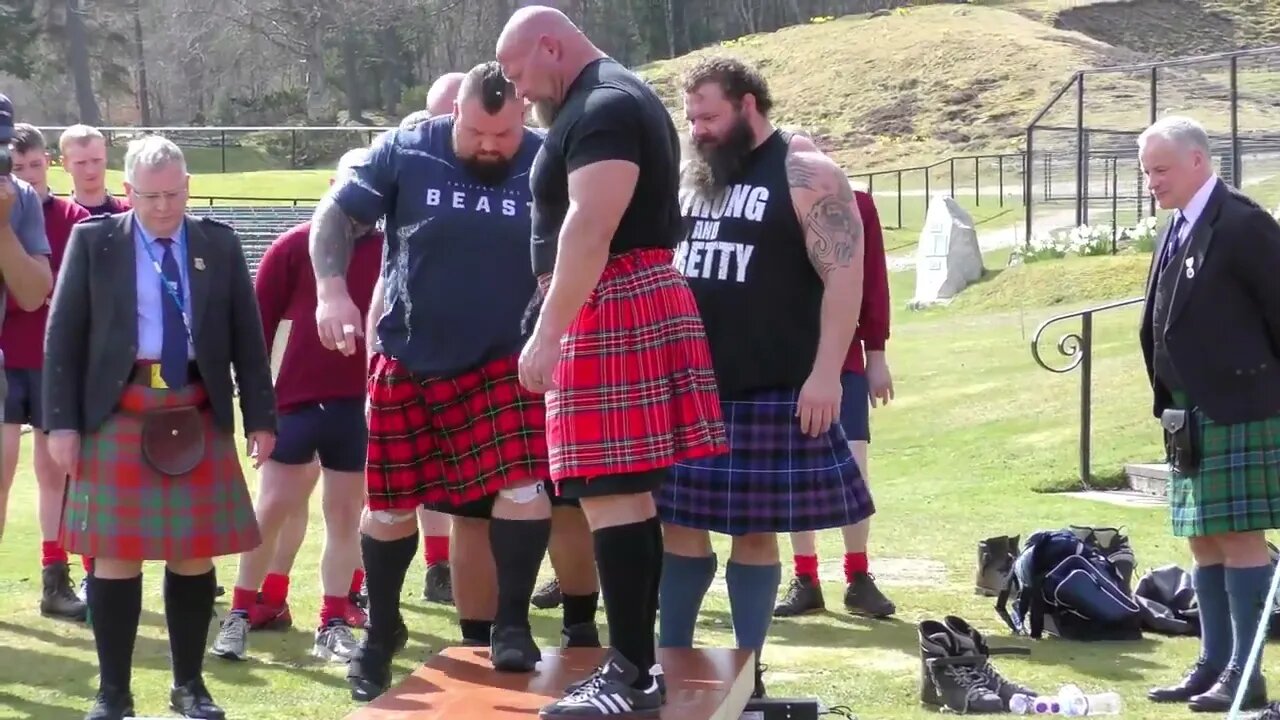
{"type": "Point", "coordinates": [976, 433]}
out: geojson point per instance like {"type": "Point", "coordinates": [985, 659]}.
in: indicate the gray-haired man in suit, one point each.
{"type": "Point", "coordinates": [152, 311]}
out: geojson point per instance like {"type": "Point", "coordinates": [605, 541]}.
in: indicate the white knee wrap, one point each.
{"type": "Point", "coordinates": [391, 517]}
{"type": "Point", "coordinates": [522, 495]}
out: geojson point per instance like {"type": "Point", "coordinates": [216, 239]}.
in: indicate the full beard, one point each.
{"type": "Point", "coordinates": [489, 172]}
{"type": "Point", "coordinates": [712, 167]}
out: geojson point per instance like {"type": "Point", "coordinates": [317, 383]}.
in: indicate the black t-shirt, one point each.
{"type": "Point", "coordinates": [609, 114]}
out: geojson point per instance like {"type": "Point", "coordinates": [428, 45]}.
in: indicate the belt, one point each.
{"type": "Point", "coordinates": [147, 374]}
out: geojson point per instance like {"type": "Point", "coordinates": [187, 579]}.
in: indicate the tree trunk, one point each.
{"type": "Point", "coordinates": [78, 62]}
{"type": "Point", "coordinates": [144, 100]}
{"type": "Point", "coordinates": [351, 69]}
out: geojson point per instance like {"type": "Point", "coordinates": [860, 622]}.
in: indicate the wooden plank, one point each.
{"type": "Point", "coordinates": [459, 684]}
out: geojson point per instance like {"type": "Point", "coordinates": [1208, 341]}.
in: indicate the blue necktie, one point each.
{"type": "Point", "coordinates": [173, 350]}
{"type": "Point", "coordinates": [1174, 242]}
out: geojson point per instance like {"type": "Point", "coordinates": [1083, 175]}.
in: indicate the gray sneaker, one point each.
{"type": "Point", "coordinates": [335, 642]}
{"type": "Point", "coordinates": [233, 638]}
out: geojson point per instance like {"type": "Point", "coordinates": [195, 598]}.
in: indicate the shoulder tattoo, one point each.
{"type": "Point", "coordinates": [832, 225]}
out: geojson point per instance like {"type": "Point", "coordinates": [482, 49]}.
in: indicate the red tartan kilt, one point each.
{"type": "Point", "coordinates": [451, 441]}
{"type": "Point", "coordinates": [634, 389]}
{"type": "Point", "coordinates": [118, 507]}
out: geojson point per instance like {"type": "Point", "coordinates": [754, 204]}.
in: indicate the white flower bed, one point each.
{"type": "Point", "coordinates": [1087, 240]}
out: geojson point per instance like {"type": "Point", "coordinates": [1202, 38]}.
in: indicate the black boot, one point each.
{"type": "Point", "coordinates": [111, 704]}
{"type": "Point", "coordinates": [949, 674]}
{"type": "Point", "coordinates": [1218, 698]}
{"type": "Point", "coordinates": [1197, 680]}
{"type": "Point", "coordinates": [995, 562]}
{"type": "Point", "coordinates": [57, 597]}
{"type": "Point", "coordinates": [970, 641]}
{"type": "Point", "coordinates": [191, 699]}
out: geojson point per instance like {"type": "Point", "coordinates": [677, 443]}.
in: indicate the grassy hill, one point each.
{"type": "Point", "coordinates": [916, 85]}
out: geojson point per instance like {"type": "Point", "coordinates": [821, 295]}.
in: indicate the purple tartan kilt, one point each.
{"type": "Point", "coordinates": [773, 479]}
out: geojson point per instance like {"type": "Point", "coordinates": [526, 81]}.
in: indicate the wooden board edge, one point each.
{"type": "Point", "coordinates": [739, 694]}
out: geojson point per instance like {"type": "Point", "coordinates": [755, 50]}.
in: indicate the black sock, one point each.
{"type": "Point", "coordinates": [625, 558]}
{"type": "Point", "coordinates": [476, 631]}
{"type": "Point", "coordinates": [385, 565]}
{"type": "Point", "coordinates": [116, 606]}
{"type": "Point", "coordinates": [518, 548]}
{"type": "Point", "coordinates": [580, 609]}
{"type": "Point", "coordinates": [188, 610]}
{"type": "Point", "coordinates": [659, 552]}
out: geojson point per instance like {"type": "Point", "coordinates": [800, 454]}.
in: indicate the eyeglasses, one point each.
{"type": "Point", "coordinates": [154, 196]}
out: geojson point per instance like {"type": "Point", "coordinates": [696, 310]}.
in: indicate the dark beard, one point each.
{"type": "Point", "coordinates": [489, 172]}
{"type": "Point", "coordinates": [712, 167]}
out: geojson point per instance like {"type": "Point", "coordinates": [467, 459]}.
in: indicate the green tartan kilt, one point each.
{"type": "Point", "coordinates": [1237, 487]}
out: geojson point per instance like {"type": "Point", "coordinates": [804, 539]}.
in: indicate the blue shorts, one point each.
{"type": "Point", "coordinates": [334, 430]}
{"type": "Point", "coordinates": [22, 404]}
{"type": "Point", "coordinates": [855, 406]}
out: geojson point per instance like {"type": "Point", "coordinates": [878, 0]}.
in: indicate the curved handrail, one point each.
{"type": "Point", "coordinates": [1070, 345]}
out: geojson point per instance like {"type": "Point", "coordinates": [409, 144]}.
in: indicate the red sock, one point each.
{"type": "Point", "coordinates": [275, 590]}
{"type": "Point", "coordinates": [243, 599]}
{"type": "Point", "coordinates": [333, 608]}
{"type": "Point", "coordinates": [52, 553]}
{"type": "Point", "coordinates": [807, 566]}
{"type": "Point", "coordinates": [436, 551]}
{"type": "Point", "coordinates": [357, 579]}
{"type": "Point", "coordinates": [87, 562]}
{"type": "Point", "coordinates": [854, 563]}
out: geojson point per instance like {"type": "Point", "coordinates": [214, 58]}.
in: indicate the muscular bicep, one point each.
{"type": "Point", "coordinates": [599, 193]}
{"type": "Point", "coordinates": [828, 213]}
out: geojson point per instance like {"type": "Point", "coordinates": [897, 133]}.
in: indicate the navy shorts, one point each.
{"type": "Point", "coordinates": [855, 406]}
{"type": "Point", "coordinates": [22, 404]}
{"type": "Point", "coordinates": [334, 430]}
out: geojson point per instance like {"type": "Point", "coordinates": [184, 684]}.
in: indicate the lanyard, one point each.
{"type": "Point", "coordinates": [172, 291]}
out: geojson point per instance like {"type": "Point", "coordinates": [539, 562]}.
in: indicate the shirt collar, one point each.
{"type": "Point", "coordinates": [179, 238]}
{"type": "Point", "coordinates": [1191, 213]}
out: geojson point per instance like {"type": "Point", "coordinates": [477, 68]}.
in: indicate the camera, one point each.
{"type": "Point", "coordinates": [6, 135]}
{"type": "Point", "coordinates": [6, 160]}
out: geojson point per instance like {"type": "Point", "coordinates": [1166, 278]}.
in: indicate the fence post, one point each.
{"type": "Point", "coordinates": [1236, 175]}
{"type": "Point", "coordinates": [1027, 191]}
{"type": "Point", "coordinates": [1154, 116]}
{"type": "Point", "coordinates": [952, 172]}
{"type": "Point", "coordinates": [1000, 176]}
{"type": "Point", "coordinates": [223, 146]}
{"type": "Point", "coordinates": [1115, 202]}
{"type": "Point", "coordinates": [899, 198]}
{"type": "Point", "coordinates": [1081, 154]}
{"type": "Point", "coordinates": [977, 183]}
{"type": "Point", "coordinates": [293, 149]}
{"type": "Point", "coordinates": [1086, 392]}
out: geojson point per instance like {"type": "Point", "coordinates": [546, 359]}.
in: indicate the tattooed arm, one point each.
{"type": "Point", "coordinates": [828, 213]}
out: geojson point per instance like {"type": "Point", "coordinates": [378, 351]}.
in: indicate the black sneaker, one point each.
{"type": "Point", "coordinates": [609, 693]}
{"type": "Point", "coordinates": [369, 669]}
{"type": "Point", "coordinates": [862, 597]}
{"type": "Point", "coordinates": [804, 596]}
{"type": "Point", "coordinates": [548, 596]}
{"type": "Point", "coordinates": [512, 649]}
{"type": "Point", "coordinates": [655, 672]}
{"type": "Point", "coordinates": [580, 635]}
{"type": "Point", "coordinates": [437, 587]}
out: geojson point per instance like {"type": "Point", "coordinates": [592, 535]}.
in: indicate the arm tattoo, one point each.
{"type": "Point", "coordinates": [832, 225]}
{"type": "Point", "coordinates": [333, 237]}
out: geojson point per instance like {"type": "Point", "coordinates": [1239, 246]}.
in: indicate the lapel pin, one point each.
{"type": "Point", "coordinates": [1191, 268]}
{"type": "Point", "coordinates": [199, 262]}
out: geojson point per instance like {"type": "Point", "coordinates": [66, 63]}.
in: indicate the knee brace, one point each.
{"type": "Point", "coordinates": [522, 495]}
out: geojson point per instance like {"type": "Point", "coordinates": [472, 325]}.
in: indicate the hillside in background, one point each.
{"type": "Point", "coordinates": [915, 85]}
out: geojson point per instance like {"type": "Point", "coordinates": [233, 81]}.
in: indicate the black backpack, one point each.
{"type": "Point", "coordinates": [1064, 584]}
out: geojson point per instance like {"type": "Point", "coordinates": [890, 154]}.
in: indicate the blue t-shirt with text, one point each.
{"type": "Point", "coordinates": [456, 261]}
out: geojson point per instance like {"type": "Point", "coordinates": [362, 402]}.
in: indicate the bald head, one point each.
{"type": "Point", "coordinates": [443, 92]}
{"type": "Point", "coordinates": [541, 52]}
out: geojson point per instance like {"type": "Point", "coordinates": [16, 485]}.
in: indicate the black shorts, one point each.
{"type": "Point", "coordinates": [620, 484]}
{"type": "Point", "coordinates": [333, 430]}
{"type": "Point", "coordinates": [22, 405]}
{"type": "Point", "coordinates": [855, 406]}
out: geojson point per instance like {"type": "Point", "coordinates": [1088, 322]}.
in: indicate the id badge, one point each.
{"type": "Point", "coordinates": [157, 380]}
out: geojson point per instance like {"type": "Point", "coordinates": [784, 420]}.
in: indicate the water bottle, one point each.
{"type": "Point", "coordinates": [1020, 704]}
{"type": "Point", "coordinates": [1076, 703]}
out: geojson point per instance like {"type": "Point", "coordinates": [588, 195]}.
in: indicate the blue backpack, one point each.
{"type": "Point", "coordinates": [1065, 585]}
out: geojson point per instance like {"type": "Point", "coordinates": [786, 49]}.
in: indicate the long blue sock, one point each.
{"type": "Point", "coordinates": [684, 583]}
{"type": "Point", "coordinates": [1247, 591]}
{"type": "Point", "coordinates": [1215, 614]}
{"type": "Point", "coordinates": [753, 591]}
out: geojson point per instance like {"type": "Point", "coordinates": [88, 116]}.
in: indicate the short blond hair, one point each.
{"type": "Point", "coordinates": [80, 135]}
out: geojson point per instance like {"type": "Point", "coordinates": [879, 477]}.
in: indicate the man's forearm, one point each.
{"type": "Point", "coordinates": [28, 277]}
{"type": "Point", "coordinates": [839, 321]}
{"type": "Point", "coordinates": [580, 259]}
{"type": "Point", "coordinates": [332, 242]}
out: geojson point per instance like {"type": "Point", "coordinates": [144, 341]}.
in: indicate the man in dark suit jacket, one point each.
{"type": "Point", "coordinates": [1210, 336]}
{"type": "Point", "coordinates": [152, 310]}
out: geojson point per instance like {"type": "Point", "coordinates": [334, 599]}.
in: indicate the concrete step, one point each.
{"type": "Point", "coordinates": [1149, 478]}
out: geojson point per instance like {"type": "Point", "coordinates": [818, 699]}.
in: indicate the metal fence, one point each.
{"type": "Point", "coordinates": [902, 194]}
{"type": "Point", "coordinates": [1082, 146]}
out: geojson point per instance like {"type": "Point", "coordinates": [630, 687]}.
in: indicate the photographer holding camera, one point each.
{"type": "Point", "coordinates": [24, 249]}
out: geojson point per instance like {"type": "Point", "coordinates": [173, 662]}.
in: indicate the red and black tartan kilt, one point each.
{"type": "Point", "coordinates": [118, 507]}
{"type": "Point", "coordinates": [634, 389]}
{"type": "Point", "coordinates": [451, 441]}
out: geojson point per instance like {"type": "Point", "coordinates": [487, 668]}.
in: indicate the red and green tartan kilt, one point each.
{"type": "Point", "coordinates": [634, 389]}
{"type": "Point", "coordinates": [119, 507]}
{"type": "Point", "coordinates": [1237, 487]}
{"type": "Point", "coordinates": [451, 441]}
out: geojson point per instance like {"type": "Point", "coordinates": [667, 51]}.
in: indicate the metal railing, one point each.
{"type": "Point", "coordinates": [1005, 169]}
{"type": "Point", "coordinates": [1078, 348]}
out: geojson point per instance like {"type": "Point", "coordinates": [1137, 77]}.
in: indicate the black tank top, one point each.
{"type": "Point", "coordinates": [744, 256]}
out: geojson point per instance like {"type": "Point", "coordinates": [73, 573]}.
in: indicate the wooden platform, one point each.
{"type": "Point", "coordinates": [459, 684]}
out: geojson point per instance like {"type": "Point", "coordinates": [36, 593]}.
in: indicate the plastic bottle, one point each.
{"type": "Point", "coordinates": [1020, 704]}
{"type": "Point", "coordinates": [1076, 703]}
{"type": "Point", "coordinates": [1045, 705]}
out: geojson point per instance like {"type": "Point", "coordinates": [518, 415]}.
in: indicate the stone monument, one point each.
{"type": "Point", "coordinates": [948, 258]}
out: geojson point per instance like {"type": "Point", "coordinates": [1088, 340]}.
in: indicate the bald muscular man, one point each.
{"type": "Point", "coordinates": [616, 343]}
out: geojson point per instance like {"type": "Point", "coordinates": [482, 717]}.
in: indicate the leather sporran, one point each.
{"type": "Point", "coordinates": [1181, 439]}
{"type": "Point", "coordinates": [173, 440]}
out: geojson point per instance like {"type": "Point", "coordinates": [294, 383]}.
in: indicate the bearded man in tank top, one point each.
{"type": "Point", "coordinates": [773, 252]}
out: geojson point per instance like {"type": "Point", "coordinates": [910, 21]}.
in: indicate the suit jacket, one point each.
{"type": "Point", "coordinates": [1222, 333]}
{"type": "Point", "coordinates": [91, 340]}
